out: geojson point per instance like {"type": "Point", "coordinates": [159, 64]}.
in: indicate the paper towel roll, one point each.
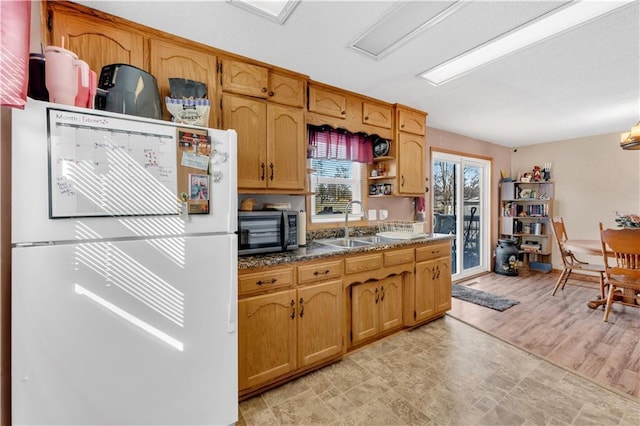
{"type": "Point", "coordinates": [302, 228]}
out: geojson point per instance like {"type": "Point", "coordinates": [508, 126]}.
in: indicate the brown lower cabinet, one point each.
{"type": "Point", "coordinates": [301, 316]}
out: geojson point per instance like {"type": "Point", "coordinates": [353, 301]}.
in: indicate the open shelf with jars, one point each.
{"type": "Point", "coordinates": [526, 209]}
{"type": "Point", "coordinates": [382, 177]}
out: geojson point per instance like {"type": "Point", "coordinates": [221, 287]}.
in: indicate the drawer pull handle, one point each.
{"type": "Point", "coordinates": [316, 273]}
{"type": "Point", "coordinates": [271, 281]}
{"type": "Point", "coordinates": [293, 309]}
{"type": "Point", "coordinates": [377, 296]}
{"type": "Point", "coordinates": [382, 297]}
{"type": "Point", "coordinates": [263, 171]}
{"type": "Point", "coordinates": [301, 307]}
{"type": "Point", "coordinates": [271, 167]}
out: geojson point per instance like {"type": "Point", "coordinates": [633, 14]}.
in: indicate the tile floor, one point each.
{"type": "Point", "coordinates": [443, 373]}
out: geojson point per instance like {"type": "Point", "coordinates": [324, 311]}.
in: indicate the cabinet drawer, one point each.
{"type": "Point", "coordinates": [265, 280]}
{"type": "Point", "coordinates": [363, 263]}
{"type": "Point", "coordinates": [398, 257]}
{"type": "Point", "coordinates": [319, 271]}
{"type": "Point", "coordinates": [433, 251]}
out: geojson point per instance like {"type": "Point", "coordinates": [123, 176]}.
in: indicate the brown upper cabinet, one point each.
{"type": "Point", "coordinates": [411, 121]}
{"type": "Point", "coordinates": [168, 60]}
{"type": "Point", "coordinates": [97, 42]}
{"type": "Point", "coordinates": [327, 102]}
{"type": "Point", "coordinates": [341, 109]}
{"type": "Point", "coordinates": [411, 151]}
{"type": "Point", "coordinates": [257, 81]}
{"type": "Point", "coordinates": [375, 114]}
{"type": "Point", "coordinates": [271, 148]}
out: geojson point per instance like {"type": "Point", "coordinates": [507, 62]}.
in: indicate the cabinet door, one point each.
{"type": "Point", "coordinates": [412, 122]}
{"type": "Point", "coordinates": [286, 147]}
{"type": "Point", "coordinates": [320, 322]}
{"type": "Point", "coordinates": [327, 102]}
{"type": "Point", "coordinates": [266, 338]}
{"type": "Point", "coordinates": [244, 79]}
{"type": "Point", "coordinates": [285, 89]}
{"type": "Point", "coordinates": [364, 311]}
{"type": "Point", "coordinates": [377, 115]}
{"type": "Point", "coordinates": [170, 60]}
{"type": "Point", "coordinates": [425, 303]}
{"type": "Point", "coordinates": [411, 164]}
{"type": "Point", "coordinates": [442, 285]}
{"type": "Point", "coordinates": [391, 302]}
{"type": "Point", "coordinates": [96, 42]}
{"type": "Point", "coordinates": [249, 119]}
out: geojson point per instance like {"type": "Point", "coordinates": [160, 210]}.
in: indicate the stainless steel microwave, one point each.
{"type": "Point", "coordinates": [267, 231]}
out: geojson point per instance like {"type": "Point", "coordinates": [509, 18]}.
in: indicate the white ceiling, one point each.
{"type": "Point", "coordinates": [583, 82]}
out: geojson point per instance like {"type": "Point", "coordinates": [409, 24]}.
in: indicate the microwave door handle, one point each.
{"type": "Point", "coordinates": [284, 227]}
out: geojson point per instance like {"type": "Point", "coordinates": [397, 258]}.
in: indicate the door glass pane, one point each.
{"type": "Point", "coordinates": [472, 217]}
{"type": "Point", "coordinates": [445, 202]}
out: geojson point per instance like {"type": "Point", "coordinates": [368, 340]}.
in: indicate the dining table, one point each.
{"type": "Point", "coordinates": [594, 248]}
{"type": "Point", "coordinates": [588, 247]}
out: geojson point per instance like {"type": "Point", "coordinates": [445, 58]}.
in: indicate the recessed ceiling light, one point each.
{"type": "Point", "coordinates": [558, 21]}
{"type": "Point", "coordinates": [273, 10]}
{"type": "Point", "coordinates": [400, 24]}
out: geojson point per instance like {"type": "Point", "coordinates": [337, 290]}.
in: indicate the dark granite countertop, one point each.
{"type": "Point", "coordinates": [315, 250]}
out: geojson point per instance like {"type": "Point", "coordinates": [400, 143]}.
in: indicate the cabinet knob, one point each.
{"type": "Point", "coordinates": [264, 90]}
{"type": "Point", "coordinates": [366, 118]}
{"type": "Point", "coordinates": [343, 112]}
{"type": "Point", "coordinates": [271, 93]}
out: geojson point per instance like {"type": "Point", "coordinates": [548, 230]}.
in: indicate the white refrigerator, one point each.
{"type": "Point", "coordinates": [123, 300]}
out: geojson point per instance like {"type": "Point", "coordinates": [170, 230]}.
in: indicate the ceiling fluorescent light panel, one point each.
{"type": "Point", "coordinates": [403, 22]}
{"type": "Point", "coordinates": [277, 11]}
{"type": "Point", "coordinates": [564, 19]}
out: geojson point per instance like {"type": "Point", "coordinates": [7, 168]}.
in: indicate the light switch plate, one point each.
{"type": "Point", "coordinates": [372, 214]}
{"type": "Point", "coordinates": [384, 214]}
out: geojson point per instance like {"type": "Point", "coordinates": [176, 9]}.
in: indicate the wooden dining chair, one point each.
{"type": "Point", "coordinates": [571, 264]}
{"type": "Point", "coordinates": [624, 273]}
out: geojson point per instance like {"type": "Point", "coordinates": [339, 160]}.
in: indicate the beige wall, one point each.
{"type": "Point", "coordinates": [593, 177]}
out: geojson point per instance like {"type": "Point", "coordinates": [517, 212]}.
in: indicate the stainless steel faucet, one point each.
{"type": "Point", "coordinates": [346, 216]}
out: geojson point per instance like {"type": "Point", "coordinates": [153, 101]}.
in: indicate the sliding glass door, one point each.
{"type": "Point", "coordinates": [460, 206]}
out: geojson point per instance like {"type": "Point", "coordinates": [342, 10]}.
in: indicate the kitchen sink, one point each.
{"type": "Point", "coordinates": [373, 239]}
{"type": "Point", "coordinates": [353, 242]}
{"type": "Point", "coordinates": [345, 242]}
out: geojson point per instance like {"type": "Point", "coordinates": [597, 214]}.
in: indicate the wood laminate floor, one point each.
{"type": "Point", "coordinates": [450, 372]}
{"type": "Point", "coordinates": [561, 328]}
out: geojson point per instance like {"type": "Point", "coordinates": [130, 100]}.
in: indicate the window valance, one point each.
{"type": "Point", "coordinates": [340, 144]}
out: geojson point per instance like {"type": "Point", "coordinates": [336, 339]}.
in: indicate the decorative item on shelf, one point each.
{"type": "Point", "coordinates": [546, 172]}
{"type": "Point", "coordinates": [537, 175]}
{"type": "Point", "coordinates": [627, 220]}
{"type": "Point", "coordinates": [381, 169]}
{"type": "Point", "coordinates": [381, 147]}
{"type": "Point", "coordinates": [631, 140]}
{"type": "Point", "coordinates": [526, 178]}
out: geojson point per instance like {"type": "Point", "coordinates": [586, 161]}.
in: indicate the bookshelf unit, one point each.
{"type": "Point", "coordinates": [526, 209]}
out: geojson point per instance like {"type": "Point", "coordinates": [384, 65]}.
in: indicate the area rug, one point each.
{"type": "Point", "coordinates": [482, 298]}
